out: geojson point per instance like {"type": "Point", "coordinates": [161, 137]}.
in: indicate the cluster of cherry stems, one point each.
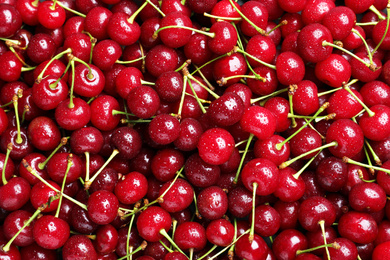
{"type": "Point", "coordinates": [194, 129]}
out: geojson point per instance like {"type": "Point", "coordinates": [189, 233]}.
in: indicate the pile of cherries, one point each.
{"type": "Point", "coordinates": [194, 129]}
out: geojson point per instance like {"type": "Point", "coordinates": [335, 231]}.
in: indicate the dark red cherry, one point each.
{"type": "Point", "coordinates": [197, 49]}
{"type": "Point", "coordinates": [57, 166]}
{"type": "Point", "coordinates": [267, 220]}
{"type": "Point", "coordinates": [41, 47]}
{"type": "Point", "coordinates": [228, 66]}
{"type": "Point", "coordinates": [161, 59]}
{"type": "Point", "coordinates": [41, 194]}
{"type": "Point", "coordinates": [288, 242]}
{"type": "Point", "coordinates": [51, 16]}
{"type": "Point", "coordinates": [13, 223]}
{"type": "Point", "coordinates": [220, 232]}
{"type": "Point", "coordinates": [333, 71]}
{"type": "Point", "coordinates": [164, 129]}
{"type": "Point", "coordinates": [199, 173]}
{"type": "Point", "coordinates": [358, 227]}
{"type": "Point", "coordinates": [121, 30]}
{"type": "Point", "coordinates": [339, 20]}
{"type": "Point", "coordinates": [143, 101]}
{"type": "Point", "coordinates": [12, 20]}
{"type": "Point", "coordinates": [166, 163]}
{"type": "Point", "coordinates": [375, 93]}
{"type": "Point", "coordinates": [106, 239]}
{"type": "Point", "coordinates": [43, 133]}
{"type": "Point", "coordinates": [212, 203]}
{"type": "Point", "coordinates": [226, 110]}
{"type": "Point", "coordinates": [190, 132]}
{"type": "Point", "coordinates": [127, 141]}
{"type": "Point", "coordinates": [190, 235]}
{"type": "Point", "coordinates": [14, 67]}
{"type": "Point", "coordinates": [12, 253]}
{"type": "Point", "coordinates": [291, 188]}
{"type": "Point", "coordinates": [175, 37]}
{"type": "Point", "coordinates": [367, 197]}
{"type": "Point", "coordinates": [344, 105]}
{"type": "Point", "coordinates": [78, 246]}
{"type": "Point", "coordinates": [87, 139]}
{"type": "Point", "coordinates": [102, 207]}
{"type": "Point", "coordinates": [332, 174]}
{"type": "Point", "coordinates": [20, 148]}
{"type": "Point", "coordinates": [251, 250]}
{"type": "Point", "coordinates": [48, 94]}
{"type": "Point", "coordinates": [106, 53]}
{"type": "Point", "coordinates": [262, 48]}
{"type": "Point", "coordinates": [315, 11]}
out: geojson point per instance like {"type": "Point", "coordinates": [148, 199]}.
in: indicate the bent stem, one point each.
{"type": "Point", "coordinates": [9, 149]}
{"type": "Point", "coordinates": [209, 34]}
{"type": "Point", "coordinates": [348, 160]}
{"type": "Point", "coordinates": [58, 56]}
{"type": "Point", "coordinates": [322, 225]}
{"type": "Point", "coordinates": [165, 234]}
{"type": "Point", "coordinates": [369, 111]}
{"type": "Point", "coordinates": [385, 33]}
{"type": "Point", "coordinates": [63, 142]}
{"type": "Point", "coordinates": [258, 29]}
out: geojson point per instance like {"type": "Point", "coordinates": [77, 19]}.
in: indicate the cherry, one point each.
{"type": "Point", "coordinates": [78, 246]}
{"type": "Point", "coordinates": [43, 133]}
{"type": "Point", "coordinates": [310, 43]}
{"type": "Point", "coordinates": [34, 251]}
{"type": "Point", "coordinates": [258, 121]}
{"type": "Point", "coordinates": [11, 253]}
{"type": "Point", "coordinates": [349, 138]}
{"type": "Point", "coordinates": [151, 222]}
{"type": "Point", "coordinates": [293, 6]}
{"type": "Point", "coordinates": [102, 207]}
{"type": "Point", "coordinates": [14, 67]}
{"type": "Point", "coordinates": [33, 160]}
{"type": "Point", "coordinates": [367, 197]}
{"type": "Point", "coordinates": [49, 93]}
{"type": "Point", "coordinates": [345, 19]}
{"type": "Point", "coordinates": [41, 47]}
{"type": "Point", "coordinates": [9, 167]}
{"type": "Point", "coordinates": [257, 13]}
{"type": "Point", "coordinates": [88, 81]}
{"type": "Point", "coordinates": [315, 11]}
{"type": "Point", "coordinates": [58, 164]}
{"type": "Point", "coordinates": [333, 71]}
{"type": "Point", "coordinates": [262, 48]}
{"type": "Point", "coordinates": [279, 107]}
{"type": "Point", "coordinates": [42, 194]}
{"type": "Point", "coordinates": [13, 223]}
{"type": "Point", "coordinates": [344, 105]}
{"type": "Point", "coordinates": [87, 139]}
{"type": "Point", "coordinates": [106, 239]}
{"type": "Point", "coordinates": [255, 249]}
{"type": "Point", "coordinates": [288, 242]}
{"type": "Point", "coordinates": [220, 232]}
{"type": "Point", "coordinates": [96, 22]}
{"type": "Point", "coordinates": [127, 141]}
{"type": "Point", "coordinates": [199, 173]}
{"type": "Point", "coordinates": [263, 172]}
{"type": "Point", "coordinates": [102, 116]}
{"type": "Point", "coordinates": [226, 110]}
{"type": "Point", "coordinates": [358, 227]}
{"type": "Point", "coordinates": [50, 15]}
{"type": "Point", "coordinates": [12, 20]}
{"type": "Point", "coordinates": [169, 86]}
{"type": "Point", "coordinates": [175, 196]}
{"type": "Point", "coordinates": [106, 53]}
{"type": "Point", "coordinates": [212, 203]}
{"type": "Point", "coordinates": [332, 174]}
{"type": "Point", "coordinates": [190, 235]}
{"type": "Point", "coordinates": [375, 93]}
{"type": "Point", "coordinates": [215, 146]}
{"type": "Point", "coordinates": [291, 188]}
{"type": "Point", "coordinates": [80, 44]}
{"type": "Point", "coordinates": [72, 114]}
{"type": "Point", "coordinates": [51, 232]}
{"type": "Point", "coordinates": [267, 221]}
{"type": "Point", "coordinates": [376, 127]}
{"type": "Point", "coordinates": [174, 36]}
{"type": "Point", "coordinates": [229, 66]}
{"type": "Point", "coordinates": [14, 194]}
{"type": "Point", "coordinates": [133, 238]}
{"type": "Point", "coordinates": [160, 59]}
{"type": "Point", "coordinates": [55, 68]}
{"type": "Point", "coordinates": [123, 29]}
{"type": "Point", "coordinates": [73, 25]}
{"type": "Point", "coordinates": [316, 239]}
{"type": "Point", "coordinates": [166, 163]}
{"type": "Point", "coordinates": [143, 101]}
{"type": "Point", "coordinates": [131, 188]}
{"type": "Point", "coordinates": [240, 202]}
{"type": "Point", "coordinates": [164, 129]}
{"type": "Point", "coordinates": [81, 222]}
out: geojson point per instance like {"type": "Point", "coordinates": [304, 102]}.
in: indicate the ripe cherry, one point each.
{"type": "Point", "coordinates": [190, 235]}
{"type": "Point", "coordinates": [78, 246]}
{"type": "Point", "coordinates": [131, 188]}
{"type": "Point", "coordinates": [199, 173]}
{"type": "Point", "coordinates": [44, 133]}
{"type": "Point", "coordinates": [251, 250]}
{"type": "Point", "coordinates": [258, 121]}
{"type": "Point", "coordinates": [376, 127]}
{"type": "Point", "coordinates": [177, 197]}
{"type": "Point", "coordinates": [212, 203]}
{"type": "Point", "coordinates": [51, 232]}
{"type": "Point", "coordinates": [358, 227]}
{"type": "Point", "coordinates": [12, 20]}
{"type": "Point", "coordinates": [151, 222]}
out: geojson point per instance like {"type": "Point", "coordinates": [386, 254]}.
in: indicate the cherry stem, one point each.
{"type": "Point", "coordinates": [70, 163]}
{"type": "Point", "coordinates": [291, 90]}
{"type": "Point", "coordinates": [319, 111]}
{"type": "Point", "coordinates": [211, 87]}
{"type": "Point", "coordinates": [155, 7]}
{"type": "Point", "coordinates": [71, 104]}
{"type": "Point", "coordinates": [261, 31]}
{"type": "Point", "coordinates": [196, 97]}
{"type": "Point", "coordinates": [360, 174]}
{"type": "Point", "coordinates": [9, 149]}
{"type": "Point", "coordinates": [187, 74]}
{"type": "Point", "coordinates": [254, 58]}
{"type": "Point", "coordinates": [183, 94]}
{"type": "Point", "coordinates": [248, 143]}
{"type": "Point", "coordinates": [210, 61]}
{"type": "Point", "coordinates": [223, 81]}
{"type": "Point", "coordinates": [134, 15]}
{"type": "Point", "coordinates": [185, 64]}
{"type": "Point", "coordinates": [89, 75]}
{"type": "Point", "coordinates": [312, 127]}
{"type": "Point", "coordinates": [322, 225]}
{"type": "Point", "coordinates": [19, 139]}
{"type": "Point", "coordinates": [222, 18]}
{"type": "Point", "coordinates": [365, 44]}
{"type": "Point", "coordinates": [130, 61]}
{"type": "Point", "coordinates": [372, 171]}
{"type": "Point", "coordinates": [229, 246]}
{"type": "Point", "coordinates": [144, 82]}
{"type": "Point", "coordinates": [387, 28]}
{"type": "Point", "coordinates": [269, 95]}
{"type": "Point", "coordinates": [25, 110]}
{"type": "Point", "coordinates": [298, 173]}
{"type": "Point", "coordinates": [374, 155]}
{"type": "Point", "coordinates": [86, 166]}
{"type": "Point", "coordinates": [117, 112]}
{"type": "Point", "coordinates": [93, 41]}
{"type": "Point", "coordinates": [208, 252]}
{"type": "Point", "coordinates": [33, 172]}
{"type": "Point", "coordinates": [325, 43]}
{"type": "Point", "coordinates": [166, 247]}
{"type": "Point", "coordinates": [88, 183]}
{"type": "Point", "coordinates": [197, 214]}
{"type": "Point", "coordinates": [289, 162]}
{"type": "Point", "coordinates": [334, 245]}
{"type": "Point", "coordinates": [160, 199]}
{"type": "Point", "coordinates": [58, 56]}
{"type": "Point", "coordinates": [128, 234]}
{"type": "Point", "coordinates": [369, 111]}
{"type": "Point", "coordinates": [141, 247]}
{"type": "Point", "coordinates": [165, 234]}
{"type": "Point", "coordinates": [348, 160]}
{"type": "Point", "coordinates": [329, 91]}
{"type": "Point", "coordinates": [155, 34]}
{"type": "Point", "coordinates": [377, 12]}
{"type": "Point", "coordinates": [71, 10]}
{"type": "Point", "coordinates": [6, 248]}
{"type": "Point", "coordinates": [10, 42]}
{"type": "Point", "coordinates": [284, 22]}
{"type": "Point", "coordinates": [63, 142]}
{"type": "Point", "coordinates": [366, 24]}
{"type": "Point", "coordinates": [252, 232]}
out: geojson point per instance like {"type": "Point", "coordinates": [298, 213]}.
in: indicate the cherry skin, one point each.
{"type": "Point", "coordinates": [57, 166]}
{"type": "Point", "coordinates": [345, 19]}
{"type": "Point", "coordinates": [72, 118]}
{"type": "Point", "coordinates": [212, 203]}
{"type": "Point", "coordinates": [215, 146]}
{"type": "Point", "coordinates": [262, 48]}
{"type": "Point", "coordinates": [367, 197]}
{"type": "Point", "coordinates": [315, 11]}
{"type": "Point", "coordinates": [333, 71]}
{"type": "Point", "coordinates": [14, 67]}
{"type": "Point", "coordinates": [102, 116]}
{"type": "Point", "coordinates": [164, 129]}
{"type": "Point", "coordinates": [3, 121]}
{"type": "Point", "coordinates": [169, 86]}
{"type": "Point", "coordinates": [361, 72]}
{"type": "Point", "coordinates": [279, 107]}
{"type": "Point", "coordinates": [46, 96]}
{"type": "Point", "coordinates": [251, 250]}
{"type": "Point", "coordinates": [175, 37]}
{"type": "Point", "coordinates": [190, 132]}
{"type": "Point", "coordinates": [14, 194]}
{"type": "Point", "coordinates": [102, 207]}
{"type": "Point", "coordinates": [332, 174]}
{"type": "Point", "coordinates": [199, 173]}
{"type": "Point", "coordinates": [81, 222]}
{"type": "Point", "coordinates": [258, 121]}
{"type": "Point", "coordinates": [87, 139]}
{"type": "Point", "coordinates": [305, 141]}
{"type": "Point", "coordinates": [34, 251]}
{"type": "Point", "coordinates": [9, 168]}
{"type": "Point", "coordinates": [127, 141]}
{"type": "Point", "coordinates": [178, 197]}
{"type": "Point", "coordinates": [197, 49]}
{"type": "Point", "coordinates": [228, 66]}
{"type": "Point", "coordinates": [43, 133]}
{"type": "Point", "coordinates": [143, 101]}
{"type": "Point", "coordinates": [12, 20]}
{"type": "Point", "coordinates": [376, 127]}
{"type": "Point", "coordinates": [41, 47]}
{"type": "Point", "coordinates": [106, 53]}
{"type": "Point", "coordinates": [263, 172]}
{"type": "Point", "coordinates": [121, 30]}
{"type": "Point", "coordinates": [41, 194]}
{"type": "Point", "coordinates": [290, 188]}
{"type": "Point", "coordinates": [375, 93]}
{"type": "Point", "coordinates": [267, 220]}
{"type": "Point", "coordinates": [290, 68]}
{"type": "Point", "coordinates": [343, 104]}
{"type": "Point", "coordinates": [106, 239]}
{"type": "Point", "coordinates": [33, 160]}
{"type": "Point", "coordinates": [88, 83]}
{"type": "Point", "coordinates": [258, 86]}
{"type": "Point", "coordinates": [220, 232]}
{"type": "Point", "coordinates": [151, 221]}
{"type": "Point", "coordinates": [51, 232]}
{"type": "Point", "coordinates": [51, 16]}
{"type": "Point", "coordinates": [12, 253]}
{"type": "Point", "coordinates": [349, 138]}
{"type": "Point", "coordinates": [190, 235]}
{"type": "Point", "coordinates": [96, 22]}
{"type": "Point", "coordinates": [78, 246]}
{"type": "Point", "coordinates": [358, 227]}
{"type": "Point", "coordinates": [13, 223]}
{"type": "Point", "coordinates": [160, 59]}
{"type": "Point", "coordinates": [131, 188]}
{"type": "Point", "coordinates": [257, 13]}
{"type": "Point", "coordinates": [288, 242]}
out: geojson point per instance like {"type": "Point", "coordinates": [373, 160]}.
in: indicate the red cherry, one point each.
{"type": "Point", "coordinates": [225, 37]}
{"type": "Point", "coordinates": [131, 188]}
{"type": "Point", "coordinates": [288, 242]}
{"type": "Point", "coordinates": [258, 121]}
{"type": "Point", "coordinates": [44, 133]}
{"type": "Point", "coordinates": [290, 68]}
{"type": "Point", "coordinates": [178, 197]}
{"type": "Point", "coordinates": [151, 221]}
{"type": "Point", "coordinates": [12, 20]}
{"type": "Point", "coordinates": [333, 71]}
{"type": "Point", "coordinates": [358, 227]}
{"type": "Point", "coordinates": [175, 37]}
{"type": "Point", "coordinates": [78, 246]}
{"type": "Point", "coordinates": [51, 232]}
{"type": "Point", "coordinates": [257, 13]}
{"type": "Point", "coordinates": [190, 235]}
{"type": "Point", "coordinates": [251, 250]}
{"type": "Point", "coordinates": [376, 127]}
{"type": "Point", "coordinates": [102, 207]}
{"type": "Point", "coordinates": [51, 16]}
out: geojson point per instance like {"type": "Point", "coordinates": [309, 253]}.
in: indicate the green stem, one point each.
{"type": "Point", "coordinates": [196, 97]}
{"type": "Point", "coordinates": [86, 166]}
{"type": "Point", "coordinates": [155, 7]}
{"type": "Point", "coordinates": [58, 56]}
{"type": "Point", "coordinates": [222, 18]}
{"type": "Point", "coordinates": [134, 15]}
{"type": "Point", "coordinates": [319, 111]}
{"type": "Point", "coordinates": [385, 33]}
{"type": "Point", "coordinates": [252, 231]}
{"type": "Point", "coordinates": [258, 29]}
{"type": "Point", "coordinates": [130, 61]}
{"type": "Point", "coordinates": [208, 252]}
{"type": "Point", "coordinates": [243, 158]}
{"type": "Point", "coordinates": [329, 92]}
{"type": "Point", "coordinates": [71, 10]}
{"type": "Point", "coordinates": [369, 111]}
{"type": "Point", "coordinates": [284, 22]}
{"type": "Point", "coordinates": [256, 59]}
{"type": "Point", "coordinates": [269, 95]}
{"type": "Point", "coordinates": [367, 24]}
{"type": "Point", "coordinates": [71, 104]}
{"type": "Point", "coordinates": [165, 234]}
{"type": "Point", "coordinates": [348, 160]}
{"type": "Point", "coordinates": [374, 155]}
{"type": "Point", "coordinates": [33, 172]}
{"type": "Point", "coordinates": [298, 173]}
{"type": "Point", "coordinates": [183, 94]}
{"type": "Point", "coordinates": [229, 246]}
{"type": "Point", "coordinates": [365, 44]}
{"type": "Point", "coordinates": [63, 142]}
{"type": "Point", "coordinates": [377, 12]}
{"type": "Point", "coordinates": [9, 149]}
{"type": "Point", "coordinates": [70, 163]}
{"type": "Point", "coordinates": [155, 35]}
{"type": "Point", "coordinates": [208, 62]}
{"type": "Point", "coordinates": [18, 139]}
{"type": "Point", "coordinates": [128, 234]}
{"type": "Point", "coordinates": [322, 225]}
{"type": "Point", "coordinates": [202, 85]}
{"type": "Point", "coordinates": [325, 43]}
{"type": "Point", "coordinates": [88, 183]}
